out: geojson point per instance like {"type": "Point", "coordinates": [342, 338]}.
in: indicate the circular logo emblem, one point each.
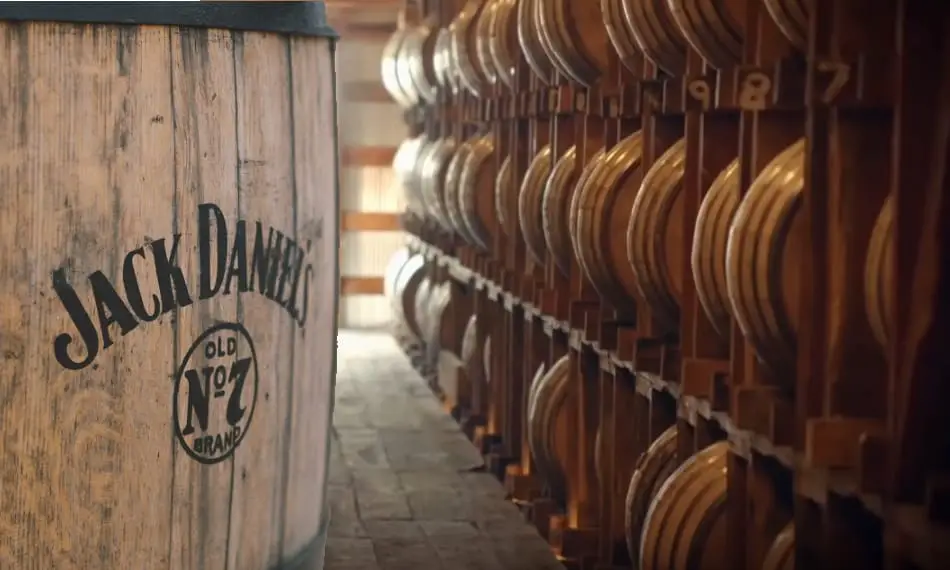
{"type": "Point", "coordinates": [215, 393]}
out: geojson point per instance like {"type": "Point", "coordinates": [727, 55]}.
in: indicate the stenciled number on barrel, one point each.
{"type": "Point", "coordinates": [215, 393]}
{"type": "Point", "coordinates": [700, 92]}
{"type": "Point", "coordinates": [756, 87]}
{"type": "Point", "coordinates": [840, 74]}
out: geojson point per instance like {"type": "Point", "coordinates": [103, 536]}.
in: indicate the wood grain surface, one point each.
{"type": "Point", "coordinates": [161, 182]}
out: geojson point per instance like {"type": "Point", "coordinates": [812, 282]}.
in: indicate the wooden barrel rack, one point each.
{"type": "Point", "coordinates": [687, 263]}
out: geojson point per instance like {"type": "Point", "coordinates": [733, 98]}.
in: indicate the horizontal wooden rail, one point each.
{"type": "Point", "coordinates": [370, 222]}
{"type": "Point", "coordinates": [378, 156]}
{"type": "Point", "coordinates": [350, 286]}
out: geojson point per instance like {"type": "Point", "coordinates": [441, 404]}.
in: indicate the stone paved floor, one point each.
{"type": "Point", "coordinates": [406, 489]}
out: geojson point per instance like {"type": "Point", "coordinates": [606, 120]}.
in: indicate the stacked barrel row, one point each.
{"type": "Point", "coordinates": [556, 149]}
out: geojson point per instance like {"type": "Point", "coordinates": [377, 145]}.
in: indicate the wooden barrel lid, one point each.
{"type": "Point", "coordinates": [556, 210]}
{"type": "Point", "coordinates": [655, 32]}
{"type": "Point", "coordinates": [781, 555]}
{"type": "Point", "coordinates": [482, 39]}
{"type": "Point", "coordinates": [434, 166]}
{"type": "Point", "coordinates": [652, 469]}
{"type": "Point", "coordinates": [529, 38]}
{"type": "Point", "coordinates": [572, 33]}
{"type": "Point", "coordinates": [476, 194]}
{"type": "Point", "coordinates": [548, 428]}
{"type": "Point", "coordinates": [420, 307]}
{"type": "Point", "coordinates": [685, 526]}
{"type": "Point", "coordinates": [601, 207]}
{"type": "Point", "coordinates": [418, 50]}
{"type": "Point", "coordinates": [404, 293]}
{"type": "Point", "coordinates": [710, 238]}
{"type": "Point", "coordinates": [500, 46]}
{"type": "Point", "coordinates": [471, 74]}
{"type": "Point", "coordinates": [620, 34]}
{"type": "Point", "coordinates": [446, 71]}
{"type": "Point", "coordinates": [451, 189]}
{"type": "Point", "coordinates": [529, 203]}
{"type": "Point", "coordinates": [715, 28]}
{"type": "Point", "coordinates": [791, 17]}
{"type": "Point", "coordinates": [762, 260]}
{"type": "Point", "coordinates": [655, 236]}
{"type": "Point", "coordinates": [879, 275]}
{"type": "Point", "coordinates": [389, 66]}
{"type": "Point", "coordinates": [504, 188]}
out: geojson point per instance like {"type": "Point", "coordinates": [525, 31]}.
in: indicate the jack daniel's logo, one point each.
{"type": "Point", "coordinates": [254, 258]}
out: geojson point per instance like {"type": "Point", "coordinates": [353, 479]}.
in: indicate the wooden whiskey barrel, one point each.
{"type": "Point", "coordinates": [433, 172]}
{"type": "Point", "coordinates": [407, 156]}
{"type": "Point", "coordinates": [620, 34]}
{"type": "Point", "coordinates": [529, 203]}
{"type": "Point", "coordinates": [655, 32]}
{"type": "Point", "coordinates": [482, 38]}
{"type": "Point", "coordinates": [556, 210]}
{"type": "Point", "coordinates": [476, 193]}
{"type": "Point", "coordinates": [781, 555]}
{"type": "Point", "coordinates": [417, 57]}
{"type": "Point", "coordinates": [173, 170]}
{"type": "Point", "coordinates": [420, 307]}
{"type": "Point", "coordinates": [791, 17]}
{"type": "Point", "coordinates": [437, 305]}
{"type": "Point", "coordinates": [763, 254]}
{"type": "Point", "coordinates": [472, 75]}
{"type": "Point", "coordinates": [685, 526]}
{"type": "Point", "coordinates": [504, 188]}
{"type": "Point", "coordinates": [451, 188]}
{"type": "Point", "coordinates": [549, 429]}
{"type": "Point", "coordinates": [473, 353]}
{"type": "Point", "coordinates": [879, 275]}
{"type": "Point", "coordinates": [652, 469]}
{"type": "Point", "coordinates": [710, 237]}
{"type": "Point", "coordinates": [529, 38]}
{"type": "Point", "coordinates": [393, 267]}
{"type": "Point", "coordinates": [443, 62]}
{"type": "Point", "coordinates": [600, 214]}
{"type": "Point", "coordinates": [389, 67]}
{"type": "Point", "coordinates": [502, 31]}
{"type": "Point", "coordinates": [405, 288]}
{"type": "Point", "coordinates": [655, 236]}
{"type": "Point", "coordinates": [714, 28]}
{"type": "Point", "coordinates": [573, 33]}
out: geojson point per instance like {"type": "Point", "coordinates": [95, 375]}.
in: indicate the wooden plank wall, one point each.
{"type": "Point", "coordinates": [371, 127]}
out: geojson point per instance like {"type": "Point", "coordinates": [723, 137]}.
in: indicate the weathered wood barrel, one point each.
{"type": "Point", "coordinates": [504, 188]}
{"type": "Point", "coordinates": [655, 32]}
{"type": "Point", "coordinates": [170, 174]}
{"type": "Point", "coordinates": [471, 74]}
{"type": "Point", "coordinates": [389, 67]}
{"type": "Point", "coordinates": [879, 275]}
{"type": "Point", "coordinates": [549, 428]}
{"type": "Point", "coordinates": [483, 35]}
{"type": "Point", "coordinates": [781, 555]}
{"type": "Point", "coordinates": [710, 238]}
{"type": "Point", "coordinates": [420, 306]}
{"type": "Point", "coordinates": [572, 33]}
{"type": "Point", "coordinates": [473, 353]}
{"type": "Point", "coordinates": [433, 171]}
{"type": "Point", "coordinates": [620, 33]}
{"type": "Point", "coordinates": [529, 203]}
{"type": "Point", "coordinates": [405, 161]}
{"type": "Point", "coordinates": [393, 267]}
{"type": "Point", "coordinates": [791, 17]}
{"type": "Point", "coordinates": [443, 61]}
{"type": "Point", "coordinates": [600, 213]}
{"type": "Point", "coordinates": [655, 236]}
{"type": "Point", "coordinates": [763, 269]}
{"type": "Point", "coordinates": [685, 526]}
{"type": "Point", "coordinates": [556, 210]}
{"type": "Point", "coordinates": [403, 298]}
{"type": "Point", "coordinates": [529, 38]}
{"type": "Point", "coordinates": [415, 60]}
{"type": "Point", "coordinates": [714, 28]}
{"type": "Point", "coordinates": [652, 469]}
{"type": "Point", "coordinates": [476, 192]}
{"type": "Point", "coordinates": [451, 187]}
{"type": "Point", "coordinates": [500, 43]}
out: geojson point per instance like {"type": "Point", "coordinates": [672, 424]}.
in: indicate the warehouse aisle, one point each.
{"type": "Point", "coordinates": [405, 488]}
